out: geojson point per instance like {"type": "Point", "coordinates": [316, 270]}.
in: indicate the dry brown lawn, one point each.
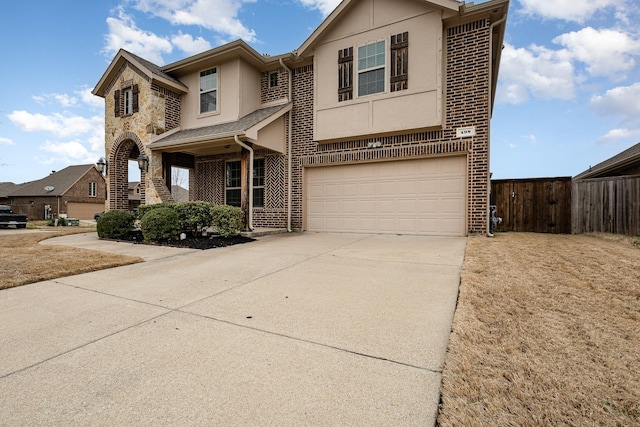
{"type": "Point", "coordinates": [547, 332]}
{"type": "Point", "coordinates": [24, 261]}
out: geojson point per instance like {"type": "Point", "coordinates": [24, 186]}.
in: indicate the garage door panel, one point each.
{"type": "Point", "coordinates": [421, 196]}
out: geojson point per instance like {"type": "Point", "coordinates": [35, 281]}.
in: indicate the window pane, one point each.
{"type": "Point", "coordinates": [258, 197]}
{"type": "Point", "coordinates": [233, 197]}
{"type": "Point", "coordinates": [258, 172]}
{"type": "Point", "coordinates": [371, 82]}
{"type": "Point", "coordinates": [208, 101]}
{"type": "Point", "coordinates": [233, 174]}
{"type": "Point", "coordinates": [208, 80]}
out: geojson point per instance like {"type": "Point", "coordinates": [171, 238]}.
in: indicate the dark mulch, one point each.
{"type": "Point", "coordinates": [201, 242]}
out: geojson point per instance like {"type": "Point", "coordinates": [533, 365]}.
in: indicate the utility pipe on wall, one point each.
{"type": "Point", "coordinates": [243, 145]}
{"type": "Point", "coordinates": [289, 150]}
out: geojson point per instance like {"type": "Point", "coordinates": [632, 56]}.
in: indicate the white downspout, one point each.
{"type": "Point", "coordinates": [289, 150]}
{"type": "Point", "coordinates": [499, 21]}
{"type": "Point", "coordinates": [243, 145]}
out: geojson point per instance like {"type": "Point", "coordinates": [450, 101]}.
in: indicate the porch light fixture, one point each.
{"type": "Point", "coordinates": [102, 165]}
{"type": "Point", "coordinates": [143, 163]}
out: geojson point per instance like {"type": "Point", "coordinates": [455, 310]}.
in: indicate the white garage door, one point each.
{"type": "Point", "coordinates": [423, 196]}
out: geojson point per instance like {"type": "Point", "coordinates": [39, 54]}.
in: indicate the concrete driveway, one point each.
{"type": "Point", "coordinates": [293, 329]}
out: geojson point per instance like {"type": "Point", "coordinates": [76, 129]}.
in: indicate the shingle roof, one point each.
{"type": "Point", "coordinates": [61, 181]}
{"type": "Point", "coordinates": [7, 188]}
{"type": "Point", "coordinates": [155, 69]}
{"type": "Point", "coordinates": [623, 159]}
{"type": "Point", "coordinates": [211, 132]}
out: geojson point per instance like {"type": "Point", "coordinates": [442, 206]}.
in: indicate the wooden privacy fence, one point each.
{"type": "Point", "coordinates": [609, 205]}
{"type": "Point", "coordinates": [539, 205]}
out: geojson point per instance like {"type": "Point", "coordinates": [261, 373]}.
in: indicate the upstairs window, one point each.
{"type": "Point", "coordinates": [126, 100]}
{"type": "Point", "coordinates": [371, 68]}
{"type": "Point", "coordinates": [208, 91]}
{"type": "Point", "coordinates": [273, 80]}
{"type": "Point", "coordinates": [93, 189]}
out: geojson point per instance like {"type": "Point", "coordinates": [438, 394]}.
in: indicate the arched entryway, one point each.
{"type": "Point", "coordinates": [127, 147]}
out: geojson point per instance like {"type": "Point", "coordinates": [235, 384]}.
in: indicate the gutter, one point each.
{"type": "Point", "coordinates": [289, 150]}
{"type": "Point", "coordinates": [243, 145]}
{"type": "Point", "coordinates": [499, 21]}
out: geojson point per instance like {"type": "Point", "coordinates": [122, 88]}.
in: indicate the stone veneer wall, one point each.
{"type": "Point", "coordinates": [126, 136]}
{"type": "Point", "coordinates": [466, 104]}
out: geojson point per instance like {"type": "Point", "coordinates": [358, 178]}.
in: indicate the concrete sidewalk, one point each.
{"type": "Point", "coordinates": [293, 329]}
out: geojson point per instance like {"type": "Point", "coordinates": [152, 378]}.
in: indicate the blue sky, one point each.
{"type": "Point", "coordinates": [568, 95]}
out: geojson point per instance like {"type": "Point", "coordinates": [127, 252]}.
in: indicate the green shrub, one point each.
{"type": "Point", "coordinates": [143, 209]}
{"type": "Point", "coordinates": [160, 224]}
{"type": "Point", "coordinates": [115, 224]}
{"type": "Point", "coordinates": [193, 216]}
{"type": "Point", "coordinates": [227, 219]}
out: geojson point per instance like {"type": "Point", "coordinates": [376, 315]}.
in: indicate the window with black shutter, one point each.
{"type": "Point", "coordinates": [399, 62]}
{"type": "Point", "coordinates": [345, 74]}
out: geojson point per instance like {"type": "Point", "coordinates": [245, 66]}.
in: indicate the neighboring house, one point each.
{"type": "Point", "coordinates": [606, 197]}
{"type": "Point", "coordinates": [134, 195]}
{"type": "Point", "coordinates": [179, 194]}
{"type": "Point", "coordinates": [76, 191]}
{"type": "Point", "coordinates": [7, 188]}
{"type": "Point", "coordinates": [378, 123]}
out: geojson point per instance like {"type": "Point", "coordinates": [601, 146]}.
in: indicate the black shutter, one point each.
{"type": "Point", "coordinates": [116, 103]}
{"type": "Point", "coordinates": [399, 62]}
{"type": "Point", "coordinates": [345, 74]}
{"type": "Point", "coordinates": [135, 98]}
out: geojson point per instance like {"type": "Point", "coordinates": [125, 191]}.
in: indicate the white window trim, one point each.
{"type": "Point", "coordinates": [356, 60]}
{"type": "Point", "coordinates": [217, 90]}
{"type": "Point", "coordinates": [93, 186]}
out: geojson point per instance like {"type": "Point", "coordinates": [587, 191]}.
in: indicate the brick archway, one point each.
{"type": "Point", "coordinates": [126, 147]}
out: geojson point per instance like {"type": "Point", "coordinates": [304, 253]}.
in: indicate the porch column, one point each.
{"type": "Point", "coordinates": [244, 185]}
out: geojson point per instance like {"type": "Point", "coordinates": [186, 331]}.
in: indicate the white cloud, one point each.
{"type": "Point", "coordinates": [569, 10]}
{"type": "Point", "coordinates": [60, 98]}
{"type": "Point", "coordinates": [71, 150]}
{"type": "Point", "coordinates": [217, 15]}
{"type": "Point", "coordinates": [124, 34]}
{"type": "Point", "coordinates": [623, 101]}
{"type": "Point", "coordinates": [324, 6]}
{"type": "Point", "coordinates": [62, 125]}
{"type": "Point", "coordinates": [535, 71]}
{"type": "Point", "coordinates": [617, 134]}
{"type": "Point", "coordinates": [606, 52]}
{"type": "Point", "coordinates": [189, 45]}
{"type": "Point", "coordinates": [90, 99]}
{"type": "Point", "coordinates": [6, 141]}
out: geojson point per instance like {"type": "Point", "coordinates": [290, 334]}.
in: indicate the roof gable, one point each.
{"type": "Point", "coordinates": [153, 73]}
{"type": "Point", "coordinates": [451, 7]}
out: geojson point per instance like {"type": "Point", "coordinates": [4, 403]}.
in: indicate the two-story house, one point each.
{"type": "Point", "coordinates": [378, 123]}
